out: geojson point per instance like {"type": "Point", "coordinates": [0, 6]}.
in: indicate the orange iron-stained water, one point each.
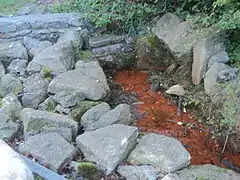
{"type": "Point", "coordinates": [161, 116]}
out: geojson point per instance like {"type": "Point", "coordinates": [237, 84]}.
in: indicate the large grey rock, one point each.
{"type": "Point", "coordinates": [11, 106]}
{"type": "Point", "coordinates": [90, 81]}
{"type": "Point", "coordinates": [35, 46]}
{"type": "Point", "coordinates": [12, 50]}
{"type": "Point", "coordinates": [50, 149]}
{"type": "Point", "coordinates": [202, 51]}
{"type": "Point", "coordinates": [208, 171]}
{"type": "Point", "coordinates": [10, 84]}
{"type": "Point", "coordinates": [40, 26]}
{"type": "Point", "coordinates": [178, 35]}
{"type": "Point", "coordinates": [92, 115]}
{"type": "Point", "coordinates": [17, 67]}
{"type": "Point", "coordinates": [144, 172]}
{"type": "Point", "coordinates": [36, 120]}
{"type": "Point", "coordinates": [8, 129]}
{"type": "Point", "coordinates": [152, 54]}
{"type": "Point", "coordinates": [221, 57]}
{"type": "Point", "coordinates": [68, 98]}
{"type": "Point", "coordinates": [211, 76]}
{"type": "Point", "coordinates": [108, 146]}
{"type": "Point", "coordinates": [57, 58]}
{"type": "Point", "coordinates": [119, 115]}
{"type": "Point", "coordinates": [34, 91]}
{"type": "Point", "coordinates": [2, 70]}
{"type": "Point", "coordinates": [168, 154]}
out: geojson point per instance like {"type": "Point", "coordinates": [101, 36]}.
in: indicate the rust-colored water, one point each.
{"type": "Point", "coordinates": [161, 117]}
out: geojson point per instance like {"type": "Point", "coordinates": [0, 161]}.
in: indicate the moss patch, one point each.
{"type": "Point", "coordinates": [89, 171]}
{"type": "Point", "coordinates": [81, 108]}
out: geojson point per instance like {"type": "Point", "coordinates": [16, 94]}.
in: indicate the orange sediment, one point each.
{"type": "Point", "coordinates": [162, 118]}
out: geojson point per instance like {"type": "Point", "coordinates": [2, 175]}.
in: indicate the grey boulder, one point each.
{"type": "Point", "coordinates": [90, 81]}
{"type": "Point", "coordinates": [50, 149]}
{"type": "Point", "coordinates": [2, 70]}
{"type": "Point", "coordinates": [11, 106]}
{"type": "Point", "coordinates": [168, 154]}
{"type": "Point", "coordinates": [10, 84]}
{"type": "Point", "coordinates": [12, 50]}
{"type": "Point", "coordinates": [108, 146]}
{"type": "Point", "coordinates": [68, 98]}
{"type": "Point", "coordinates": [119, 115]}
{"type": "Point", "coordinates": [8, 129]}
{"type": "Point", "coordinates": [35, 121]}
{"type": "Point", "coordinates": [92, 115]}
{"type": "Point", "coordinates": [34, 91]}
{"type": "Point", "coordinates": [17, 67]}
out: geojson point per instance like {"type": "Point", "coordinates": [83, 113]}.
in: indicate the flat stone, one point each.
{"type": "Point", "coordinates": [143, 172]}
{"type": "Point", "coordinates": [208, 171]}
{"type": "Point", "coordinates": [92, 115]}
{"type": "Point", "coordinates": [8, 129]}
{"type": "Point", "coordinates": [50, 149]}
{"type": "Point", "coordinates": [40, 26]}
{"type": "Point", "coordinates": [11, 106]}
{"type": "Point", "coordinates": [104, 40]}
{"type": "Point", "coordinates": [36, 120]}
{"type": "Point", "coordinates": [108, 146]}
{"type": "Point", "coordinates": [34, 91]}
{"type": "Point", "coordinates": [89, 81]}
{"type": "Point", "coordinates": [176, 90]}
{"type": "Point", "coordinates": [165, 153]}
{"type": "Point", "coordinates": [10, 84]}
{"type": "Point", "coordinates": [17, 67]}
{"type": "Point", "coordinates": [119, 115]}
{"type": "Point", "coordinates": [12, 50]}
{"type": "Point", "coordinates": [203, 50]}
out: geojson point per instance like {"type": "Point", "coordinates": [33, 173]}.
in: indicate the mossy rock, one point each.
{"type": "Point", "coordinates": [151, 53]}
{"type": "Point", "coordinates": [89, 171]}
{"type": "Point", "coordinates": [81, 108]}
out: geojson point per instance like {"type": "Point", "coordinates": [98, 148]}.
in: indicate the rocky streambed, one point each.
{"type": "Point", "coordinates": [68, 103]}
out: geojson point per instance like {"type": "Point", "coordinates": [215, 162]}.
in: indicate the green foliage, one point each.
{"type": "Point", "coordinates": [124, 16]}
{"type": "Point", "coordinates": [11, 6]}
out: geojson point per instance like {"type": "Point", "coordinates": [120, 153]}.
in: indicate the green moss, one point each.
{"type": "Point", "coordinates": [81, 108]}
{"type": "Point", "coordinates": [89, 171]}
{"type": "Point", "coordinates": [47, 74]}
{"type": "Point", "coordinates": [50, 106]}
{"type": "Point", "coordinates": [1, 103]}
{"type": "Point", "coordinates": [83, 55]}
{"type": "Point", "coordinates": [150, 40]}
